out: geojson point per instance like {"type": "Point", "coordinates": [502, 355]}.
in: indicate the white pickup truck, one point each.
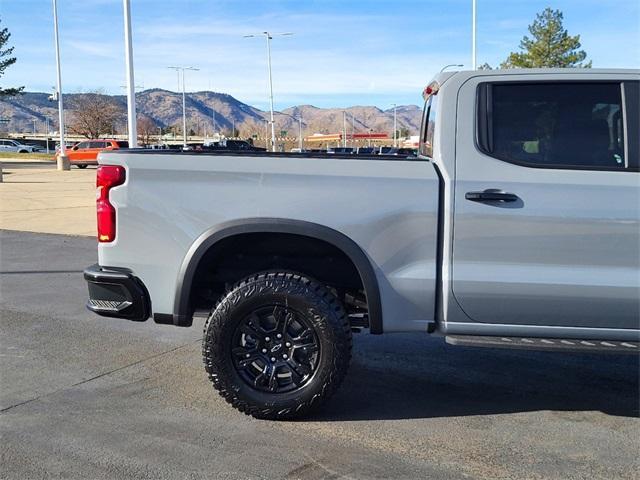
{"type": "Point", "coordinates": [517, 225]}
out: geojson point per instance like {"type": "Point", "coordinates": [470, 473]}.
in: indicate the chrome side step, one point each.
{"type": "Point", "coordinates": [553, 344]}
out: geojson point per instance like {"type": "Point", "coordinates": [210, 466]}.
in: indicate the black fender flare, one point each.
{"type": "Point", "coordinates": [182, 314]}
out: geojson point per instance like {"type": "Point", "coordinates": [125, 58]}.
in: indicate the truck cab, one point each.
{"type": "Point", "coordinates": [541, 201]}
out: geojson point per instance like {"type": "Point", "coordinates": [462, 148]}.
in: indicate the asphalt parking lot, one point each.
{"type": "Point", "coordinates": [86, 397]}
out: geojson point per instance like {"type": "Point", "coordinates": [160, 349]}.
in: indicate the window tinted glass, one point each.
{"type": "Point", "coordinates": [428, 126]}
{"type": "Point", "coordinates": [123, 144]}
{"type": "Point", "coordinates": [96, 145]}
{"type": "Point", "coordinates": [556, 124]}
{"type": "Point", "coordinates": [83, 145]}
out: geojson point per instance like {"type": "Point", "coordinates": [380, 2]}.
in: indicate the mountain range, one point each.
{"type": "Point", "coordinates": [206, 109]}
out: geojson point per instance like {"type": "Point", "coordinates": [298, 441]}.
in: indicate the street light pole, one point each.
{"type": "Point", "coordinates": [473, 34]}
{"type": "Point", "coordinates": [46, 123]}
{"type": "Point", "coordinates": [273, 127]}
{"type": "Point", "coordinates": [62, 159]}
{"type": "Point", "coordinates": [344, 129]}
{"type": "Point", "coordinates": [131, 92]}
{"type": "Point", "coordinates": [184, 101]}
{"type": "Point", "coordinates": [353, 131]}
{"type": "Point", "coordinates": [266, 135]}
{"type": "Point", "coordinates": [395, 126]}
{"type": "Point", "coordinates": [269, 38]}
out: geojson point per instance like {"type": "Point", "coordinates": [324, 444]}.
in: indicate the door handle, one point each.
{"type": "Point", "coordinates": [491, 195]}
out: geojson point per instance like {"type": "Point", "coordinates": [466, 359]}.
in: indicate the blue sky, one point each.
{"type": "Point", "coordinates": [343, 52]}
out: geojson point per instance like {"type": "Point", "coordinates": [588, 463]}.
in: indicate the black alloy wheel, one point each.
{"type": "Point", "coordinates": [275, 349]}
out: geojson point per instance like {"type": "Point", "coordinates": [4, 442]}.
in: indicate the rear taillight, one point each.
{"type": "Point", "coordinates": [108, 176]}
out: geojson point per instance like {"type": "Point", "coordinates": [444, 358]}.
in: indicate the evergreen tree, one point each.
{"type": "Point", "coordinates": [6, 60]}
{"type": "Point", "coordinates": [550, 45]}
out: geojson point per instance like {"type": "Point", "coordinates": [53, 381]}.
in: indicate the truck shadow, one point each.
{"type": "Point", "coordinates": [401, 377]}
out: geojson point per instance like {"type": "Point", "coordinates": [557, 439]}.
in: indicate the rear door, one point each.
{"type": "Point", "coordinates": [95, 147]}
{"type": "Point", "coordinates": [546, 222]}
{"type": "Point", "coordinates": [79, 152]}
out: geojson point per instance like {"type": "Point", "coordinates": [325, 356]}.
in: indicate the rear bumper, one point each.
{"type": "Point", "coordinates": [116, 292]}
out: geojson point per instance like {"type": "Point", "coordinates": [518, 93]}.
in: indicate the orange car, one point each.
{"type": "Point", "coordinates": [86, 153]}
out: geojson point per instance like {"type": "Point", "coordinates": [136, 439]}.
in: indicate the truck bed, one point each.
{"type": "Point", "coordinates": [387, 205]}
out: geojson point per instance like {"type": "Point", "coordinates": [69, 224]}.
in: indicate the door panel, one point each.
{"type": "Point", "coordinates": [565, 250]}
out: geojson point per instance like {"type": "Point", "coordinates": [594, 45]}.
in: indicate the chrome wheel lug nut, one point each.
{"type": "Point", "coordinates": [284, 356]}
{"type": "Point", "coordinates": [288, 344]}
{"type": "Point", "coordinates": [264, 350]}
{"type": "Point", "coordinates": [247, 355]}
{"type": "Point", "coordinates": [273, 359]}
{"type": "Point", "coordinates": [266, 339]}
{"type": "Point", "coordinates": [279, 335]}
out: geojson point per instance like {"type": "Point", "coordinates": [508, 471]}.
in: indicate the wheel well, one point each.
{"type": "Point", "coordinates": [238, 256]}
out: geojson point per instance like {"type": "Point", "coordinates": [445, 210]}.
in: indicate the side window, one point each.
{"type": "Point", "coordinates": [96, 144]}
{"type": "Point", "coordinates": [554, 125]}
{"type": "Point", "coordinates": [83, 145]}
{"type": "Point", "coordinates": [428, 126]}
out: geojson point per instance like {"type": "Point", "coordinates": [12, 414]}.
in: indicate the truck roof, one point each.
{"type": "Point", "coordinates": [442, 77]}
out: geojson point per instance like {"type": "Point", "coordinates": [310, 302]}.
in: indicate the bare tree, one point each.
{"type": "Point", "coordinates": [146, 128]}
{"type": "Point", "coordinates": [93, 114]}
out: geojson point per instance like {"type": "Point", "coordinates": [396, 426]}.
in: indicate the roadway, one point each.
{"type": "Point", "coordinates": [88, 397]}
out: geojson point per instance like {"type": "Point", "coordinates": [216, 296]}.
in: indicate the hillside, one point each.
{"type": "Point", "coordinates": [204, 109]}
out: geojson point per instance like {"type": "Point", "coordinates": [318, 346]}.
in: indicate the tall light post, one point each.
{"type": "Point", "coordinates": [184, 102]}
{"type": "Point", "coordinates": [344, 129]}
{"type": "Point", "coordinates": [266, 134]}
{"type": "Point", "coordinates": [131, 89]}
{"type": "Point", "coordinates": [353, 131]}
{"type": "Point", "coordinates": [473, 34]}
{"type": "Point", "coordinates": [46, 123]}
{"type": "Point", "coordinates": [62, 160]}
{"type": "Point", "coordinates": [395, 126]}
{"type": "Point", "coordinates": [269, 37]}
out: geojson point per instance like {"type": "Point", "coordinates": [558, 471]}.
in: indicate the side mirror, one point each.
{"type": "Point", "coordinates": [75, 148]}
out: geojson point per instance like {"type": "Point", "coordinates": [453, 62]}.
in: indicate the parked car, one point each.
{"type": "Point", "coordinates": [366, 150]}
{"type": "Point", "coordinates": [388, 151]}
{"type": "Point", "coordinates": [86, 152]}
{"type": "Point", "coordinates": [8, 145]}
{"type": "Point", "coordinates": [232, 145]}
{"type": "Point", "coordinates": [157, 146]}
{"type": "Point", "coordinates": [397, 151]}
{"type": "Point", "coordinates": [516, 226]}
{"type": "Point", "coordinates": [341, 150]}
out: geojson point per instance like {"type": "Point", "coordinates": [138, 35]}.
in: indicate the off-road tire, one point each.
{"type": "Point", "coordinates": [323, 311]}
